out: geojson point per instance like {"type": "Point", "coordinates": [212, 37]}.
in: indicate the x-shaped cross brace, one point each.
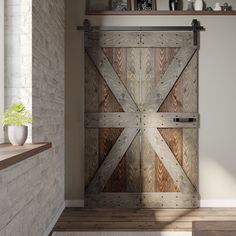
{"type": "Point", "coordinates": [147, 120]}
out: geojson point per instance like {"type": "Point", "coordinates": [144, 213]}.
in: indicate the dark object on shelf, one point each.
{"type": "Point", "coordinates": [226, 7]}
{"type": "Point", "coordinates": [209, 9]}
{"type": "Point", "coordinates": [173, 5]}
{"type": "Point", "coordinates": [119, 5]}
{"type": "Point", "coordinates": [144, 5]}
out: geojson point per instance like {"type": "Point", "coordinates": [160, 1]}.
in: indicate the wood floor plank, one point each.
{"type": "Point", "coordinates": [80, 219]}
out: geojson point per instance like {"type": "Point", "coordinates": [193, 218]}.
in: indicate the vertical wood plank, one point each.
{"type": "Point", "coordinates": [148, 155]}
{"type": "Point", "coordinates": [173, 137]}
{"type": "Point", "coordinates": [133, 178]}
{"type": "Point", "coordinates": [190, 136]}
{"type": "Point", "coordinates": [108, 137]}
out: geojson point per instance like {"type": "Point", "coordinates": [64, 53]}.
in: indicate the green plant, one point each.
{"type": "Point", "coordinates": [16, 115]}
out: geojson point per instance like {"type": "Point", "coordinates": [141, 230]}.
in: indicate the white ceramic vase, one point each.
{"type": "Point", "coordinates": [217, 7]}
{"type": "Point", "coordinates": [198, 5]}
{"type": "Point", "coordinates": [17, 134]}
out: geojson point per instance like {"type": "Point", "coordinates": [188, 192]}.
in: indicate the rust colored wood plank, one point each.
{"type": "Point", "coordinates": [166, 39]}
{"type": "Point", "coordinates": [10, 155]}
{"type": "Point", "coordinates": [163, 58]}
{"type": "Point", "coordinates": [112, 160]}
{"type": "Point", "coordinates": [164, 86]}
{"type": "Point", "coordinates": [169, 161]}
{"type": "Point", "coordinates": [117, 57]}
{"type": "Point", "coordinates": [113, 39]}
{"type": "Point", "coordinates": [112, 79]}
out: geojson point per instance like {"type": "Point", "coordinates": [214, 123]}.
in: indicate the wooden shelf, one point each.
{"type": "Point", "coordinates": [167, 13]}
{"type": "Point", "coordinates": [10, 155]}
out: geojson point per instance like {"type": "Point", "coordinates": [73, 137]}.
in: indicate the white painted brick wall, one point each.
{"type": "Point", "coordinates": [32, 192]}
{"type": "Point", "coordinates": [18, 54]}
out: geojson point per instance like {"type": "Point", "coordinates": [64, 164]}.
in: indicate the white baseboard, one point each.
{"type": "Point", "coordinates": [218, 203]}
{"type": "Point", "coordinates": [54, 221]}
{"type": "Point", "coordinates": [74, 203]}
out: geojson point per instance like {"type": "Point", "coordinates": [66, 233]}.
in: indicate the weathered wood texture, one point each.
{"type": "Point", "coordinates": [142, 200]}
{"type": "Point", "coordinates": [144, 84]}
{"type": "Point", "coordinates": [112, 79]}
{"type": "Point", "coordinates": [112, 160]}
{"type": "Point", "coordinates": [214, 228]}
{"type": "Point", "coordinates": [166, 120]}
{"type": "Point", "coordinates": [190, 136]}
{"type": "Point", "coordinates": [113, 39]}
{"type": "Point", "coordinates": [169, 161]}
{"type": "Point", "coordinates": [164, 86]}
{"type": "Point", "coordinates": [166, 40]}
{"type": "Point", "coordinates": [78, 219]}
{"type": "Point", "coordinates": [112, 120]}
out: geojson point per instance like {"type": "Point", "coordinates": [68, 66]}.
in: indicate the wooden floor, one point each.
{"type": "Point", "coordinates": [79, 219]}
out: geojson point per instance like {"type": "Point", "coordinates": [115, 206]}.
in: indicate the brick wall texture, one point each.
{"type": "Point", "coordinates": [32, 192]}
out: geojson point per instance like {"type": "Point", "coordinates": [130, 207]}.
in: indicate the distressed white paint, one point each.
{"type": "Point", "coordinates": [1, 67]}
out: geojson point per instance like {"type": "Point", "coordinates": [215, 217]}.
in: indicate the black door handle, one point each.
{"type": "Point", "coordinates": [184, 120]}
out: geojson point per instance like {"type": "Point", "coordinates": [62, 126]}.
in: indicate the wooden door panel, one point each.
{"type": "Point", "coordinates": [141, 120]}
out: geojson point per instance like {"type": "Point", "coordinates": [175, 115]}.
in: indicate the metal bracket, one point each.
{"type": "Point", "coordinates": [196, 28]}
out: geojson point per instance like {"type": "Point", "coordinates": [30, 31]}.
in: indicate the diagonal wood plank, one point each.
{"type": "Point", "coordinates": [112, 160]}
{"type": "Point", "coordinates": [112, 79]}
{"type": "Point", "coordinates": [169, 161]}
{"type": "Point", "coordinates": [164, 86]}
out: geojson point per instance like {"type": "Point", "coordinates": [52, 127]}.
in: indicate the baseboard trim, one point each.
{"type": "Point", "coordinates": [54, 221]}
{"type": "Point", "coordinates": [74, 203]}
{"type": "Point", "coordinates": [218, 203]}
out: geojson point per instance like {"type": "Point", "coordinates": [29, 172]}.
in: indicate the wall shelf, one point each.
{"type": "Point", "coordinates": [167, 13]}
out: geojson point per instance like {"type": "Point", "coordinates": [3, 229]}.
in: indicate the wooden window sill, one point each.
{"type": "Point", "coordinates": [10, 155]}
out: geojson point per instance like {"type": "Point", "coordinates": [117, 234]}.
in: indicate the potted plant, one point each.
{"type": "Point", "coordinates": [16, 118]}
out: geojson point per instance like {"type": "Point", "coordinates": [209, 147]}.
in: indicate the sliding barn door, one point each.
{"type": "Point", "coordinates": [141, 120]}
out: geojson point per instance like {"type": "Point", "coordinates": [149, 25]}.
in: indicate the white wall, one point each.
{"type": "Point", "coordinates": [1, 66]}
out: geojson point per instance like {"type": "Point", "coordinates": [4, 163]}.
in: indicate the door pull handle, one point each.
{"type": "Point", "coordinates": [184, 120]}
